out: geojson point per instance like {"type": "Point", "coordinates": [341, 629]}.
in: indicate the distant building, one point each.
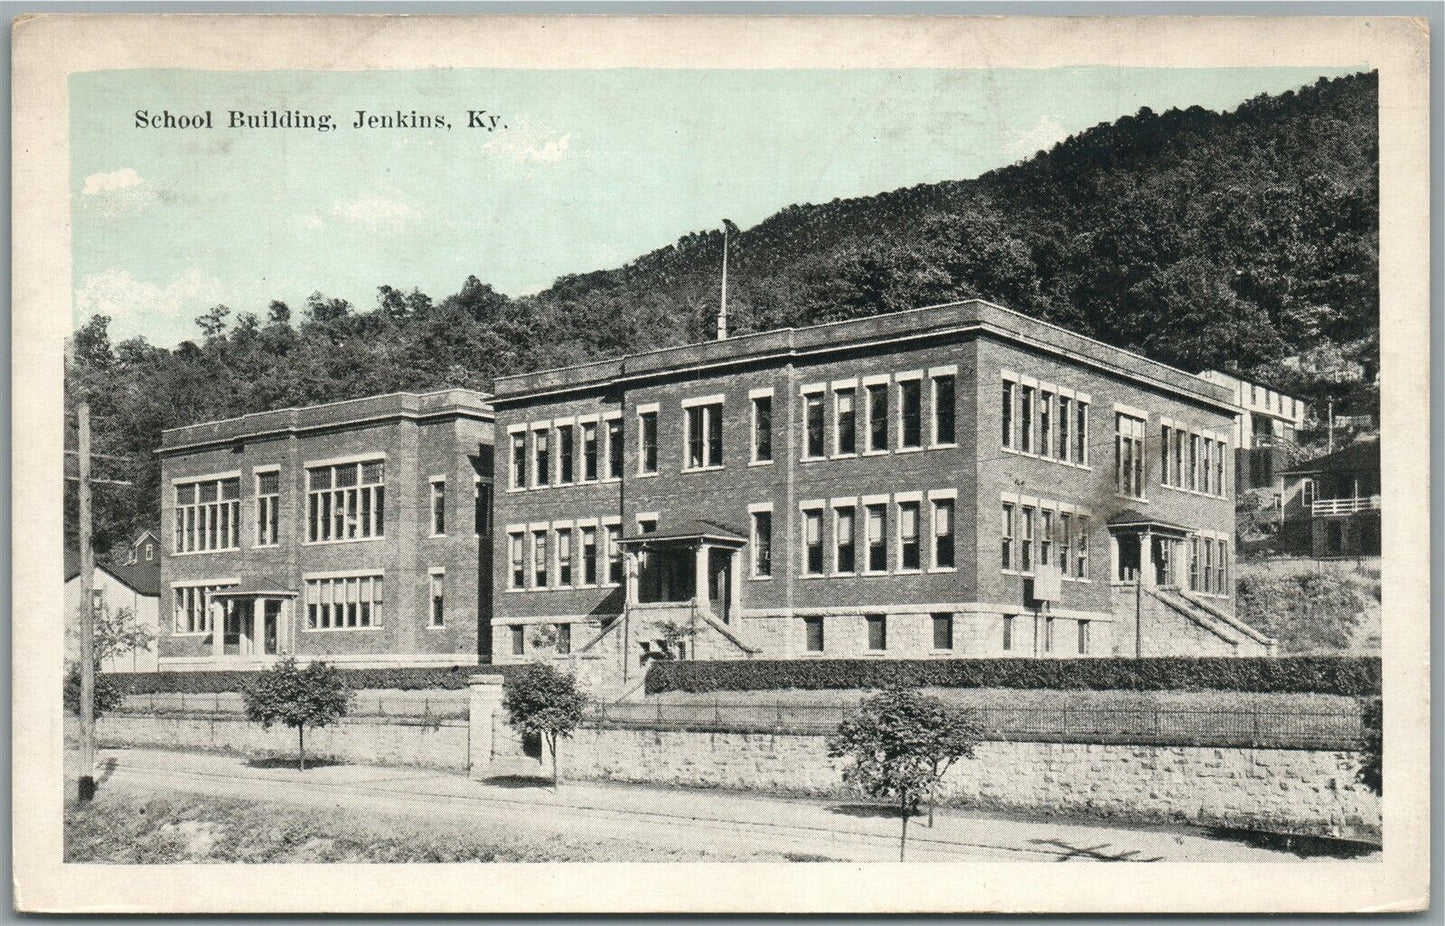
{"type": "Point", "coordinates": [955, 480]}
{"type": "Point", "coordinates": [1331, 505]}
{"type": "Point", "coordinates": [131, 584]}
{"type": "Point", "coordinates": [1265, 431]}
{"type": "Point", "coordinates": [356, 531]}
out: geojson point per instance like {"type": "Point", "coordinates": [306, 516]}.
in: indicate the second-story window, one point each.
{"type": "Point", "coordinates": [539, 559]}
{"type": "Point", "coordinates": [566, 448]}
{"type": "Point", "coordinates": [346, 501]}
{"type": "Point", "coordinates": [878, 417]}
{"type": "Point", "coordinates": [589, 555]}
{"type": "Point", "coordinates": [564, 556]}
{"type": "Point", "coordinates": [704, 436]}
{"type": "Point", "coordinates": [647, 442]}
{"type": "Point", "coordinates": [589, 452]}
{"type": "Point", "coordinates": [813, 542]}
{"type": "Point", "coordinates": [877, 538]}
{"type": "Point", "coordinates": [845, 423]}
{"type": "Point", "coordinates": [519, 460]}
{"type": "Point", "coordinates": [208, 515]}
{"type": "Point", "coordinates": [1026, 539]}
{"type": "Point", "coordinates": [910, 401]}
{"type": "Point", "coordinates": [944, 413]}
{"type": "Point", "coordinates": [813, 422]}
{"type": "Point", "coordinates": [541, 457]}
{"type": "Point", "coordinates": [1006, 537]}
{"type": "Point", "coordinates": [517, 559]}
{"type": "Point", "coordinates": [1129, 455]}
{"type": "Point", "coordinates": [438, 581]}
{"type": "Point", "coordinates": [909, 555]}
{"type": "Point", "coordinates": [943, 530]}
{"type": "Point", "coordinates": [762, 544]}
{"type": "Point", "coordinates": [844, 528]}
{"type": "Point", "coordinates": [1007, 414]}
{"type": "Point", "coordinates": [268, 505]}
{"type": "Point", "coordinates": [614, 554]}
{"type": "Point", "coordinates": [762, 429]}
{"type": "Point", "coordinates": [614, 448]}
{"type": "Point", "coordinates": [438, 507]}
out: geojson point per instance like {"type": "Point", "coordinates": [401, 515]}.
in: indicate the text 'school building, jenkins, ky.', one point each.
{"type": "Point", "coordinates": [356, 531]}
{"type": "Point", "coordinates": [953, 480]}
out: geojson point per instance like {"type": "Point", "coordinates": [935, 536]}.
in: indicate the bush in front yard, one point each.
{"type": "Point", "coordinates": [108, 695]}
{"type": "Point", "coordinates": [1339, 675]}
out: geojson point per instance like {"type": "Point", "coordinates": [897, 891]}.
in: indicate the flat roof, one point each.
{"type": "Point", "coordinates": [974, 315]}
{"type": "Point", "coordinates": [442, 403]}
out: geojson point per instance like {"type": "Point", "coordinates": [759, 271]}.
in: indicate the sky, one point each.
{"type": "Point", "coordinates": [585, 169]}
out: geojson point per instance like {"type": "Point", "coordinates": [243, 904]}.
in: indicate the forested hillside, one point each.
{"type": "Point", "coordinates": [1245, 241]}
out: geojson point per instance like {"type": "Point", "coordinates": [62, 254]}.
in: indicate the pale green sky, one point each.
{"type": "Point", "coordinates": [595, 168]}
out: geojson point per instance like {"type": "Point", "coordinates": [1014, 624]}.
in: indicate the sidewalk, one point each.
{"type": "Point", "coordinates": [649, 815]}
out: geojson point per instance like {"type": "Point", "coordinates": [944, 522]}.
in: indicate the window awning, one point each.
{"type": "Point", "coordinates": [1131, 520]}
{"type": "Point", "coordinates": [690, 533]}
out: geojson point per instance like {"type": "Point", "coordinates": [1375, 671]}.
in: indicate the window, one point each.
{"type": "Point", "coordinates": [566, 450]}
{"type": "Point", "coordinates": [813, 633]}
{"type": "Point", "coordinates": [1048, 634]}
{"type": "Point", "coordinates": [519, 460]}
{"type": "Point", "coordinates": [943, 631]}
{"type": "Point", "coordinates": [647, 443]}
{"type": "Point", "coordinates": [1220, 450]}
{"type": "Point", "coordinates": [614, 448]}
{"type": "Point", "coordinates": [845, 422]}
{"type": "Point", "coordinates": [1193, 463]}
{"type": "Point", "coordinates": [763, 429]}
{"type": "Point", "coordinates": [1065, 410]}
{"type": "Point", "coordinates": [1026, 419]}
{"type": "Point", "coordinates": [943, 545]}
{"type": "Point", "coordinates": [1046, 423]}
{"type": "Point", "coordinates": [1046, 537]}
{"type": "Point", "coordinates": [877, 544]}
{"type": "Point", "coordinates": [564, 639]}
{"type": "Point", "coordinates": [1007, 537]}
{"type": "Point", "coordinates": [614, 554]}
{"type": "Point", "coordinates": [1307, 493]}
{"type": "Point", "coordinates": [541, 458]}
{"type": "Point", "coordinates": [1008, 632]}
{"type": "Point", "coordinates": [878, 417]}
{"type": "Point", "coordinates": [1026, 538]}
{"type": "Point", "coordinates": [438, 598]}
{"type": "Point", "coordinates": [345, 603]}
{"type": "Point", "coordinates": [1081, 433]}
{"type": "Point", "coordinates": [1194, 564]}
{"type": "Point", "coordinates": [208, 515]}
{"type": "Point", "coordinates": [813, 542]}
{"type": "Point", "coordinates": [844, 529]}
{"type": "Point", "coordinates": [517, 559]}
{"type": "Point", "coordinates": [539, 559]}
{"type": "Point", "coordinates": [1081, 547]}
{"type": "Point", "coordinates": [519, 644]}
{"type": "Point", "coordinates": [564, 556]}
{"type": "Point", "coordinates": [910, 556]}
{"type": "Point", "coordinates": [150, 552]}
{"type": "Point", "coordinates": [1166, 450]}
{"type": "Point", "coordinates": [589, 451]}
{"type": "Point", "coordinates": [1083, 638]}
{"type": "Point", "coordinates": [268, 505]}
{"type": "Point", "coordinates": [589, 555]}
{"type": "Point", "coordinates": [1177, 458]}
{"type": "Point", "coordinates": [438, 507]}
{"type": "Point", "coordinates": [1223, 560]}
{"type": "Point", "coordinates": [813, 422]}
{"type": "Point", "coordinates": [1208, 566]}
{"type": "Point", "coordinates": [910, 398]}
{"type": "Point", "coordinates": [762, 544]}
{"type": "Point", "coordinates": [346, 502]}
{"type": "Point", "coordinates": [944, 413]}
{"type": "Point", "coordinates": [704, 436]}
{"type": "Point", "coordinates": [1008, 414]}
{"type": "Point", "coordinates": [1065, 562]}
{"type": "Point", "coordinates": [646, 525]}
{"type": "Point", "coordinates": [481, 506]}
{"type": "Point", "coordinates": [192, 607]}
{"type": "Point", "coordinates": [877, 632]}
{"type": "Point", "coordinates": [1129, 455]}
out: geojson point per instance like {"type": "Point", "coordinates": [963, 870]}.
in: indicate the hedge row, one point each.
{"type": "Point", "coordinates": [1339, 675]}
{"type": "Point", "coordinates": [406, 679]}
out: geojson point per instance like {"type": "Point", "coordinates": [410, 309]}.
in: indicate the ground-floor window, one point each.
{"type": "Point", "coordinates": [1083, 637]}
{"type": "Point", "coordinates": [813, 631]}
{"type": "Point", "coordinates": [347, 602]}
{"type": "Point", "coordinates": [877, 632]}
{"type": "Point", "coordinates": [564, 639]}
{"type": "Point", "coordinates": [438, 581]}
{"type": "Point", "coordinates": [1008, 632]}
{"type": "Point", "coordinates": [943, 631]}
{"type": "Point", "coordinates": [518, 643]}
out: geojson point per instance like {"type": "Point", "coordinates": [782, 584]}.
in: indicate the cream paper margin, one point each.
{"type": "Point", "coordinates": [48, 48]}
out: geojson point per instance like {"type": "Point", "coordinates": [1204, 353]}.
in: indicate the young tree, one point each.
{"type": "Point", "coordinates": [115, 635]}
{"type": "Point", "coordinates": [316, 696]}
{"type": "Point", "coordinates": [902, 743]}
{"type": "Point", "coordinates": [545, 702]}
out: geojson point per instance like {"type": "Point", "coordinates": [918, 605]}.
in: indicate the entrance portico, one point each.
{"type": "Point", "coordinates": [698, 563]}
{"type": "Point", "coordinates": [1147, 550]}
{"type": "Point", "coordinates": [252, 620]}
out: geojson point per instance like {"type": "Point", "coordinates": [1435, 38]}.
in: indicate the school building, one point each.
{"type": "Point", "coordinates": [957, 480]}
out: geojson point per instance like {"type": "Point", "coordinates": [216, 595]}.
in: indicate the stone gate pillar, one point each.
{"type": "Point", "coordinates": [485, 713]}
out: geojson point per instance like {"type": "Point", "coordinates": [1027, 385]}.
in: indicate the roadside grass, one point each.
{"type": "Point", "coordinates": [1028, 698]}
{"type": "Point", "coordinates": [127, 827]}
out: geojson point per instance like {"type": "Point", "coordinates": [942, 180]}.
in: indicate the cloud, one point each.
{"type": "Point", "coordinates": [374, 212]}
{"type": "Point", "coordinates": [164, 314]}
{"type": "Point", "coordinates": [119, 192]}
{"type": "Point", "coordinates": [529, 144]}
{"type": "Point", "coordinates": [311, 221]}
{"type": "Point", "coordinates": [1024, 143]}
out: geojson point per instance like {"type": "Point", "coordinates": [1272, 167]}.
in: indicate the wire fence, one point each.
{"type": "Point", "coordinates": [1136, 725]}
{"type": "Point", "coordinates": [438, 705]}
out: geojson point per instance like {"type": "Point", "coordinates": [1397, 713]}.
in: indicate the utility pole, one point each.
{"type": "Point", "coordinates": [87, 615]}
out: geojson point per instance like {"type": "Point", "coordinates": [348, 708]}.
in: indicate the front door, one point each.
{"type": "Point", "coordinates": [271, 627]}
{"type": "Point", "coordinates": [235, 638]}
{"type": "Point", "coordinates": [720, 583]}
{"type": "Point", "coordinates": [1160, 559]}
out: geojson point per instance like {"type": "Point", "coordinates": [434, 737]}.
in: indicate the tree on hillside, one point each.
{"type": "Point", "coordinates": [316, 696]}
{"type": "Point", "coordinates": [543, 701]}
{"type": "Point", "coordinates": [901, 744]}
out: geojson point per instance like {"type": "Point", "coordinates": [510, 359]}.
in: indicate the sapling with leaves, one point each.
{"type": "Point", "coordinates": [316, 696]}
{"type": "Point", "coordinates": [545, 702]}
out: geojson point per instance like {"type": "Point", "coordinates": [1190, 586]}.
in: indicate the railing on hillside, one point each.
{"type": "Point", "coordinates": [1124, 725]}
{"type": "Point", "coordinates": [437, 705]}
{"type": "Point", "coordinates": [1333, 506]}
